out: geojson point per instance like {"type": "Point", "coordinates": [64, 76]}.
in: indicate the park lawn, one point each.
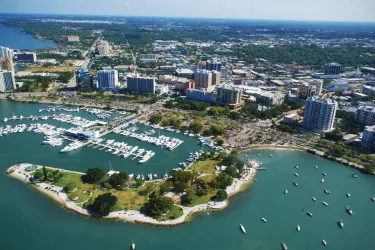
{"type": "Point", "coordinates": [81, 187]}
{"type": "Point", "coordinates": [205, 167]}
{"type": "Point", "coordinates": [207, 178]}
{"type": "Point", "coordinates": [204, 198]}
{"type": "Point", "coordinates": [173, 213]}
{"type": "Point", "coordinates": [128, 199]}
{"type": "Point", "coordinates": [51, 69]}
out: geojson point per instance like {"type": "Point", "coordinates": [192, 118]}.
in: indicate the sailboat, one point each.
{"type": "Point", "coordinates": [133, 245]}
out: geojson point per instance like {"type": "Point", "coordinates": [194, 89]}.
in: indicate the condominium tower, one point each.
{"type": "Point", "coordinates": [107, 79]}
{"type": "Point", "coordinates": [140, 84]}
{"type": "Point", "coordinates": [7, 81]}
{"type": "Point", "coordinates": [319, 114]}
{"type": "Point", "coordinates": [365, 115]}
{"type": "Point", "coordinates": [203, 80]}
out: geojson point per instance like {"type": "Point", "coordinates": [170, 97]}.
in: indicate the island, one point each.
{"type": "Point", "coordinates": [204, 185]}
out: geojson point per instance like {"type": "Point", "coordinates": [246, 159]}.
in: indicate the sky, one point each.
{"type": "Point", "coordinates": [314, 10]}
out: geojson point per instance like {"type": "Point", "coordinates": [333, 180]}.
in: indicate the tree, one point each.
{"type": "Point", "coordinates": [221, 195]}
{"type": "Point", "coordinates": [196, 127]}
{"type": "Point", "coordinates": [45, 174]}
{"type": "Point", "coordinates": [103, 204]}
{"type": "Point", "coordinates": [220, 142]}
{"type": "Point", "coordinates": [234, 115]}
{"type": "Point", "coordinates": [156, 118]}
{"type": "Point", "coordinates": [335, 135]}
{"type": "Point", "coordinates": [157, 206]}
{"type": "Point", "coordinates": [38, 175]}
{"type": "Point", "coordinates": [165, 187]}
{"type": "Point", "coordinates": [118, 180]}
{"type": "Point", "coordinates": [231, 171]}
{"type": "Point", "coordinates": [93, 175]}
{"type": "Point", "coordinates": [139, 182]}
{"type": "Point", "coordinates": [70, 187]}
{"type": "Point", "coordinates": [189, 197]}
{"type": "Point", "coordinates": [217, 130]}
{"type": "Point", "coordinates": [223, 180]}
{"type": "Point", "coordinates": [181, 180]}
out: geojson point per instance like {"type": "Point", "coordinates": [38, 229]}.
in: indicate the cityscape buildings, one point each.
{"type": "Point", "coordinates": [338, 86]}
{"type": "Point", "coordinates": [148, 58]}
{"type": "Point", "coordinates": [83, 78]}
{"type": "Point", "coordinates": [7, 81]}
{"type": "Point", "coordinates": [213, 65]}
{"type": "Point", "coordinates": [319, 114]}
{"type": "Point", "coordinates": [5, 52]}
{"type": "Point", "coordinates": [140, 84]}
{"type": "Point", "coordinates": [6, 64]}
{"type": "Point", "coordinates": [229, 95]}
{"type": "Point", "coordinates": [200, 95]}
{"type": "Point", "coordinates": [103, 48]}
{"type": "Point", "coordinates": [216, 77]}
{"type": "Point", "coordinates": [333, 70]}
{"type": "Point", "coordinates": [365, 115]}
{"type": "Point", "coordinates": [26, 57]}
{"type": "Point", "coordinates": [368, 137]}
{"type": "Point", "coordinates": [107, 79]}
{"type": "Point", "coordinates": [203, 80]}
{"type": "Point", "coordinates": [72, 38]}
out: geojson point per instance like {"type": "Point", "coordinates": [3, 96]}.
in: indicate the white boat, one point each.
{"type": "Point", "coordinates": [313, 198]}
{"type": "Point", "coordinates": [348, 210]}
{"type": "Point", "coordinates": [271, 155]}
{"type": "Point", "coordinates": [373, 198]}
{"type": "Point", "coordinates": [325, 203]}
{"type": "Point", "coordinates": [348, 195]}
{"type": "Point", "coordinates": [5, 119]}
{"type": "Point", "coordinates": [296, 174]}
{"type": "Point", "coordinates": [284, 246]}
{"type": "Point", "coordinates": [354, 176]}
{"type": "Point", "coordinates": [296, 166]}
{"type": "Point", "coordinates": [324, 242]}
{"type": "Point", "coordinates": [264, 220]}
{"type": "Point", "coordinates": [298, 228]}
{"type": "Point", "coordinates": [243, 228]}
{"type": "Point", "coordinates": [341, 223]}
{"type": "Point", "coordinates": [286, 191]}
{"type": "Point", "coordinates": [133, 245]}
{"type": "Point", "coordinates": [309, 214]}
{"type": "Point", "coordinates": [316, 167]}
{"type": "Point", "coordinates": [245, 155]}
{"type": "Point", "coordinates": [322, 181]}
{"type": "Point", "coordinates": [295, 184]}
{"type": "Point", "coordinates": [327, 191]}
{"type": "Point", "coordinates": [259, 155]}
{"type": "Point", "coordinates": [324, 174]}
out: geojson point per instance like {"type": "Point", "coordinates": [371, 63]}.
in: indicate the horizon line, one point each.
{"type": "Point", "coordinates": [190, 17]}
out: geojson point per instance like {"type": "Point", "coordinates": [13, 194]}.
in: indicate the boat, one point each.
{"type": "Point", "coordinates": [295, 184]}
{"type": "Point", "coordinates": [313, 198]}
{"type": "Point", "coordinates": [325, 203]}
{"type": "Point", "coordinates": [133, 245]}
{"type": "Point", "coordinates": [5, 119]}
{"type": "Point", "coordinates": [264, 220]}
{"type": "Point", "coordinates": [298, 228]}
{"type": "Point", "coordinates": [243, 228]}
{"type": "Point", "coordinates": [309, 214]}
{"type": "Point", "coordinates": [296, 166]}
{"type": "Point", "coordinates": [271, 155]}
{"type": "Point", "coordinates": [324, 242]}
{"type": "Point", "coordinates": [296, 174]}
{"type": "Point", "coordinates": [348, 195]}
{"type": "Point", "coordinates": [341, 223]}
{"type": "Point", "coordinates": [348, 210]}
{"type": "Point", "coordinates": [286, 191]}
{"type": "Point", "coordinates": [327, 191]}
{"type": "Point", "coordinates": [259, 155]}
{"type": "Point", "coordinates": [322, 180]}
{"type": "Point", "coordinates": [373, 198]}
{"type": "Point", "coordinates": [354, 176]}
{"type": "Point", "coordinates": [245, 155]}
{"type": "Point", "coordinates": [324, 174]}
{"type": "Point", "coordinates": [316, 167]}
{"type": "Point", "coordinates": [284, 246]}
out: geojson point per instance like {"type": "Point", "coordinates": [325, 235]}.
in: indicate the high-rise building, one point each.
{"type": "Point", "coordinates": [103, 48]}
{"type": "Point", "coordinates": [229, 95]}
{"type": "Point", "coordinates": [213, 65]}
{"type": "Point", "coordinates": [368, 90]}
{"type": "Point", "coordinates": [26, 57]}
{"type": "Point", "coordinates": [310, 88]}
{"type": "Point", "coordinates": [203, 80]}
{"type": "Point", "coordinates": [107, 79]}
{"type": "Point", "coordinates": [332, 69]}
{"type": "Point", "coordinates": [216, 77]}
{"type": "Point", "coordinates": [199, 95]}
{"type": "Point", "coordinates": [6, 53]}
{"type": "Point", "coordinates": [7, 81]}
{"type": "Point", "coordinates": [319, 114]}
{"type": "Point", "coordinates": [84, 79]}
{"type": "Point", "coordinates": [6, 64]}
{"type": "Point", "coordinates": [140, 84]}
{"type": "Point", "coordinates": [272, 98]}
{"type": "Point", "coordinates": [365, 115]}
{"type": "Point", "coordinates": [368, 137]}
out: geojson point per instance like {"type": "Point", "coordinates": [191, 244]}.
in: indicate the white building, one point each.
{"type": "Point", "coordinates": [365, 115]}
{"type": "Point", "coordinates": [7, 81]}
{"type": "Point", "coordinates": [147, 58]}
{"type": "Point", "coordinates": [319, 114]}
{"type": "Point", "coordinates": [270, 98]}
{"type": "Point", "coordinates": [107, 79]}
{"type": "Point", "coordinates": [103, 48]}
{"type": "Point", "coordinates": [6, 53]}
{"type": "Point", "coordinates": [161, 89]}
{"type": "Point", "coordinates": [338, 86]}
{"type": "Point", "coordinates": [368, 137]}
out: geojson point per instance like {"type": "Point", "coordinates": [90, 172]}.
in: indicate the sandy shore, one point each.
{"type": "Point", "coordinates": [58, 194]}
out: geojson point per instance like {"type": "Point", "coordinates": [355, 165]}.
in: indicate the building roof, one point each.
{"type": "Point", "coordinates": [184, 71]}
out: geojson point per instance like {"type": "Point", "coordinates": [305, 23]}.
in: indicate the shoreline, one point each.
{"type": "Point", "coordinates": [58, 194]}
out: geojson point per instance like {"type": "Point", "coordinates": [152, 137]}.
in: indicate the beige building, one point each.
{"type": "Point", "coordinates": [203, 80]}
{"type": "Point", "coordinates": [103, 48]}
{"type": "Point", "coordinates": [216, 77]}
{"type": "Point", "coordinates": [229, 95]}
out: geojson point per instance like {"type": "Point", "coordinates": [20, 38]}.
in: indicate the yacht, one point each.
{"type": "Point", "coordinates": [295, 184]}
{"type": "Point", "coordinates": [133, 245]}
{"type": "Point", "coordinates": [313, 198]}
{"type": "Point", "coordinates": [298, 228]}
{"type": "Point", "coordinates": [243, 228]}
{"type": "Point", "coordinates": [5, 119]}
{"type": "Point", "coordinates": [373, 198]}
{"type": "Point", "coordinates": [324, 174]}
{"type": "Point", "coordinates": [264, 220]}
{"type": "Point", "coordinates": [324, 242]}
{"type": "Point", "coordinates": [309, 214]}
{"type": "Point", "coordinates": [284, 246]}
{"type": "Point", "coordinates": [271, 155]}
{"type": "Point", "coordinates": [316, 167]}
{"type": "Point", "coordinates": [296, 166]}
{"type": "Point", "coordinates": [325, 203]}
{"type": "Point", "coordinates": [354, 176]}
{"type": "Point", "coordinates": [327, 191]}
{"type": "Point", "coordinates": [322, 181]}
{"type": "Point", "coordinates": [286, 191]}
{"type": "Point", "coordinates": [245, 155]}
{"type": "Point", "coordinates": [348, 195]}
{"type": "Point", "coordinates": [259, 155]}
{"type": "Point", "coordinates": [341, 223]}
{"type": "Point", "coordinates": [296, 174]}
{"type": "Point", "coordinates": [348, 210]}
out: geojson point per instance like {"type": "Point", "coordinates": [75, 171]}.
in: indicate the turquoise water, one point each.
{"type": "Point", "coordinates": [15, 39]}
{"type": "Point", "coordinates": [29, 220]}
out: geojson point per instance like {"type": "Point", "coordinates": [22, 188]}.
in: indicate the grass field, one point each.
{"type": "Point", "coordinates": [205, 167]}
{"type": "Point", "coordinates": [51, 69]}
{"type": "Point", "coordinates": [173, 213]}
{"type": "Point", "coordinates": [204, 198]}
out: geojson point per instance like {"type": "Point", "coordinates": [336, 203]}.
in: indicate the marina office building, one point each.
{"type": "Point", "coordinates": [365, 115]}
{"type": "Point", "coordinates": [319, 114]}
{"type": "Point", "coordinates": [107, 79]}
{"type": "Point", "coordinates": [7, 81]}
{"type": "Point", "coordinates": [140, 84]}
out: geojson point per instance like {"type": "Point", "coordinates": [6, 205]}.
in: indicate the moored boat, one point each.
{"type": "Point", "coordinates": [325, 203]}
{"type": "Point", "coordinates": [286, 191]}
{"type": "Point", "coordinates": [296, 174]}
{"type": "Point", "coordinates": [309, 214]}
{"type": "Point", "coordinates": [327, 191]}
{"type": "Point", "coordinates": [295, 184]}
{"type": "Point", "coordinates": [341, 224]}
{"type": "Point", "coordinates": [264, 220]}
{"type": "Point", "coordinates": [348, 195]}
{"type": "Point", "coordinates": [298, 228]}
{"type": "Point", "coordinates": [284, 246]}
{"type": "Point", "coordinates": [322, 181]}
{"type": "Point", "coordinates": [348, 210]}
{"type": "Point", "coordinates": [242, 228]}
{"type": "Point", "coordinates": [313, 198]}
{"type": "Point", "coordinates": [324, 242]}
{"type": "Point", "coordinates": [133, 245]}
